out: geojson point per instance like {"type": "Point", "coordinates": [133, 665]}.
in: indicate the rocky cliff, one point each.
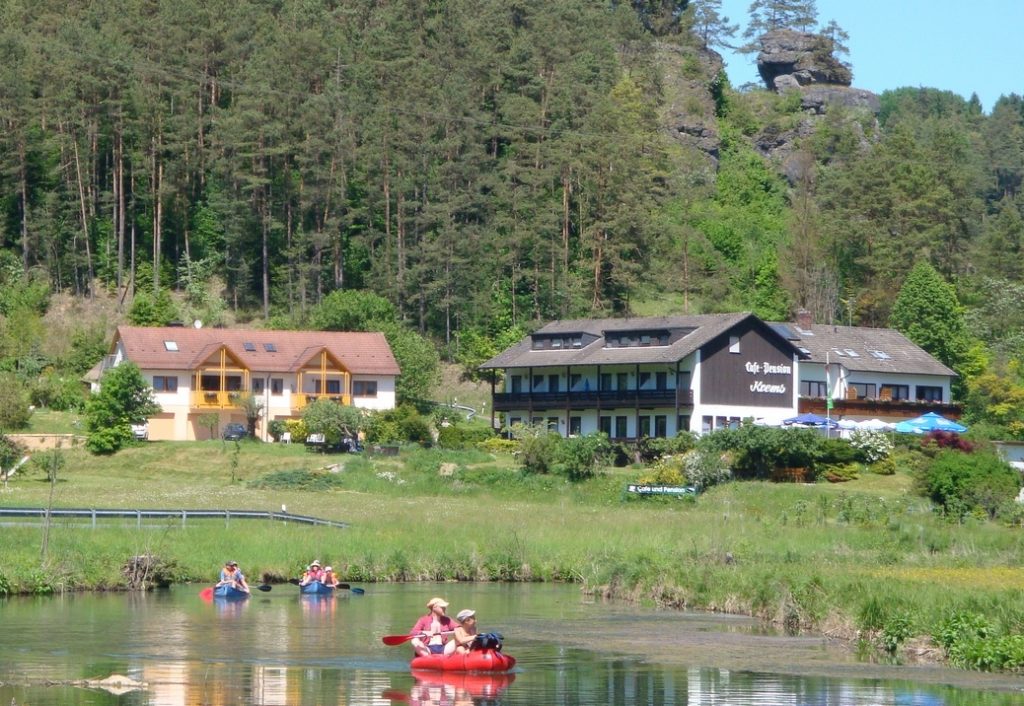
{"type": "Point", "coordinates": [804, 63]}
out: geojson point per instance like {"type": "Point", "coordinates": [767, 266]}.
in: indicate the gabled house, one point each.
{"type": "Point", "coordinates": [652, 376]}
{"type": "Point", "coordinates": [656, 376]}
{"type": "Point", "coordinates": [869, 372]}
{"type": "Point", "coordinates": [197, 371]}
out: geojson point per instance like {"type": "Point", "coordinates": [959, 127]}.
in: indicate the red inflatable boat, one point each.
{"type": "Point", "coordinates": [473, 661]}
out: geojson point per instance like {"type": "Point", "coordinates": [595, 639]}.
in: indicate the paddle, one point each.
{"type": "Point", "coordinates": [207, 593]}
{"type": "Point", "coordinates": [392, 640]}
{"type": "Point", "coordinates": [264, 588]}
{"type": "Point", "coordinates": [355, 589]}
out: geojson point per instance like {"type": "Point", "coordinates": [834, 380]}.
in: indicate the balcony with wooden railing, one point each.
{"type": "Point", "coordinates": [322, 378]}
{"type": "Point", "coordinates": [304, 399]}
{"type": "Point", "coordinates": [889, 408]}
{"type": "Point", "coordinates": [590, 399]}
{"type": "Point", "coordinates": [215, 399]}
{"type": "Point", "coordinates": [218, 383]}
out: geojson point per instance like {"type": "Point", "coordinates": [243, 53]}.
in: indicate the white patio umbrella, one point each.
{"type": "Point", "coordinates": [874, 425]}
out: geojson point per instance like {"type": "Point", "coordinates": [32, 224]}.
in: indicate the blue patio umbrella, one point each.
{"type": "Point", "coordinates": [811, 420]}
{"type": "Point", "coordinates": [929, 422]}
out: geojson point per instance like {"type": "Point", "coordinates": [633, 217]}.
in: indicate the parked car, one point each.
{"type": "Point", "coordinates": [141, 431]}
{"type": "Point", "coordinates": [233, 431]}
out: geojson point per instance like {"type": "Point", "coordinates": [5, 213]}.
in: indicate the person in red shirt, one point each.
{"type": "Point", "coordinates": [433, 630]}
{"type": "Point", "coordinates": [313, 573]}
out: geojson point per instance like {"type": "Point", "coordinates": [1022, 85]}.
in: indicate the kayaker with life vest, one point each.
{"type": "Point", "coordinates": [328, 578]}
{"type": "Point", "coordinates": [232, 576]}
{"type": "Point", "coordinates": [466, 632]}
{"type": "Point", "coordinates": [433, 630]}
{"type": "Point", "coordinates": [313, 573]}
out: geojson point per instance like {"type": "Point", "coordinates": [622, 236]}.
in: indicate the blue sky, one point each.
{"type": "Point", "coordinates": [972, 47]}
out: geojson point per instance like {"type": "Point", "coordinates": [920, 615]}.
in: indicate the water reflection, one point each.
{"type": "Point", "coordinates": [452, 689]}
{"type": "Point", "coordinates": [316, 651]}
{"type": "Point", "coordinates": [230, 608]}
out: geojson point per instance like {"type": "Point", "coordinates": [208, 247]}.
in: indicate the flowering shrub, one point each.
{"type": "Point", "coordinates": [666, 471]}
{"type": "Point", "coordinates": [704, 468]}
{"type": "Point", "coordinates": [872, 444]}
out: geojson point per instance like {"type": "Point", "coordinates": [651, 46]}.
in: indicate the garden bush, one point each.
{"type": "Point", "coordinates": [497, 444]}
{"type": "Point", "coordinates": [538, 447]}
{"type": "Point", "coordinates": [653, 449]}
{"type": "Point", "coordinates": [14, 403]}
{"type": "Point", "coordinates": [964, 483]}
{"type": "Point", "coordinates": [58, 393]}
{"type": "Point", "coordinates": [666, 471]}
{"type": "Point", "coordinates": [704, 468]}
{"type": "Point", "coordinates": [463, 434]}
{"type": "Point", "coordinates": [579, 456]}
{"type": "Point", "coordinates": [884, 467]}
{"type": "Point", "coordinates": [759, 451]}
{"type": "Point", "coordinates": [840, 472]}
{"type": "Point", "coordinates": [399, 425]}
{"type": "Point", "coordinates": [947, 440]}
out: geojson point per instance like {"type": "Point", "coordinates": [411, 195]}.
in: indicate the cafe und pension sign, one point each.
{"type": "Point", "coordinates": [764, 369]}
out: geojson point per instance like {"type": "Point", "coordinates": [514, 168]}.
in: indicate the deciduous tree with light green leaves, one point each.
{"type": "Point", "coordinates": [124, 399]}
{"type": "Point", "coordinates": [333, 420]}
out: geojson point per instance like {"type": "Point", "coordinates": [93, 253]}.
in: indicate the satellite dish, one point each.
{"type": "Point", "coordinates": [197, 323]}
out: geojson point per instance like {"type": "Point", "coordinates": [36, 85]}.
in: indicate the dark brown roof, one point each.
{"type": "Point", "coordinates": [876, 350]}
{"type": "Point", "coordinates": [704, 328]}
{"type": "Point", "coordinates": [364, 353]}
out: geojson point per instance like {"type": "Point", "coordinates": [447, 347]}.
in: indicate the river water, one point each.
{"type": "Point", "coordinates": [279, 648]}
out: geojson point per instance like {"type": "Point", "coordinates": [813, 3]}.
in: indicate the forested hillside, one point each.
{"type": "Point", "coordinates": [481, 165]}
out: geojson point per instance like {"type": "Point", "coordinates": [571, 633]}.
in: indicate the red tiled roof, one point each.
{"type": "Point", "coordinates": [361, 353]}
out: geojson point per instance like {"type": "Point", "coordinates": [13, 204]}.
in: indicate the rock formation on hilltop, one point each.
{"type": "Point", "coordinates": [790, 59]}
{"type": "Point", "coordinates": [805, 63]}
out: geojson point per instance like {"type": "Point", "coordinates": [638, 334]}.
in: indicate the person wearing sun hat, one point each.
{"type": "Point", "coordinates": [313, 573]}
{"type": "Point", "coordinates": [465, 633]}
{"type": "Point", "coordinates": [433, 630]}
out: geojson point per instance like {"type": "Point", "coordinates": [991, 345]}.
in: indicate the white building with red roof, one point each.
{"type": "Point", "coordinates": [198, 371]}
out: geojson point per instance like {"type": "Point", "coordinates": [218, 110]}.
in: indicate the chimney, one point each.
{"type": "Point", "coordinates": [804, 319]}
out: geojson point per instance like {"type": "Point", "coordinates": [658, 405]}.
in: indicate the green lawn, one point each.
{"type": "Point", "coordinates": [47, 421]}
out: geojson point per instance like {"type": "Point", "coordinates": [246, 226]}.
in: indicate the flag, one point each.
{"type": "Point", "coordinates": [828, 385]}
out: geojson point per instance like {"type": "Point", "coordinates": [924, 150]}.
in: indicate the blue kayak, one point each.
{"type": "Point", "coordinates": [315, 588]}
{"type": "Point", "coordinates": [227, 591]}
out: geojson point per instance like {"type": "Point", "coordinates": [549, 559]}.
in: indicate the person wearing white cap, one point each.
{"type": "Point", "coordinates": [465, 633]}
{"type": "Point", "coordinates": [433, 630]}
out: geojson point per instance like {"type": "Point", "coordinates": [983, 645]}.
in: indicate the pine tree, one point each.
{"type": "Point", "coordinates": [928, 313]}
{"type": "Point", "coordinates": [711, 26]}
